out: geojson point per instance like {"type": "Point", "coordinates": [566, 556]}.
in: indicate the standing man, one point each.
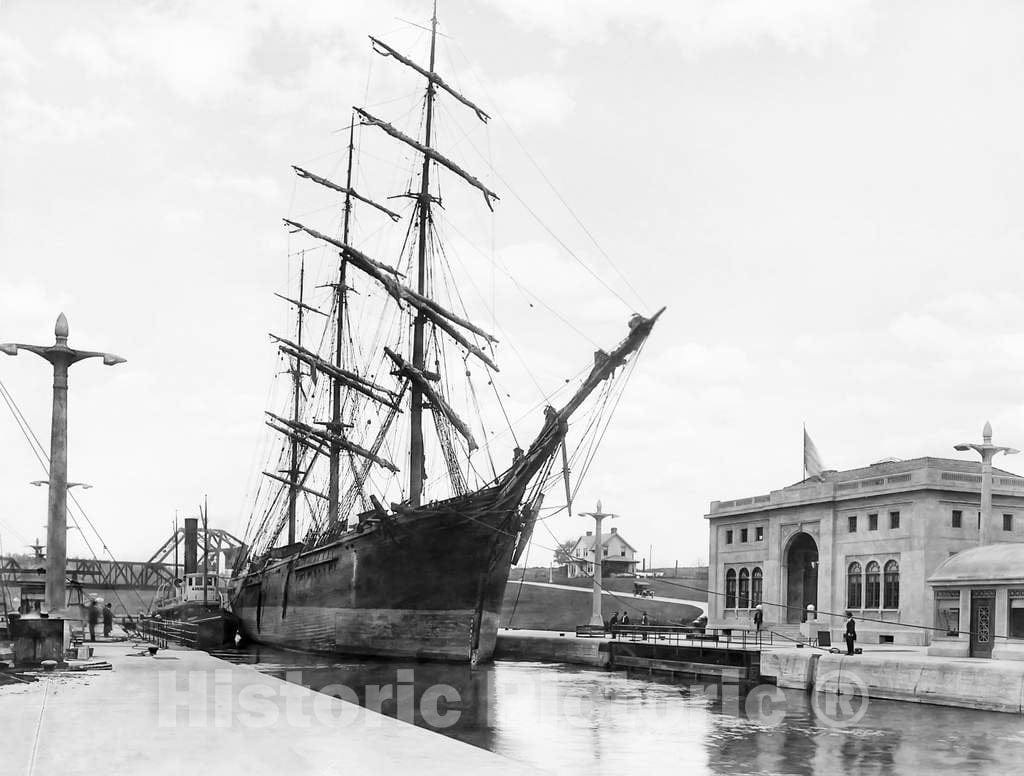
{"type": "Point", "coordinates": [851, 633]}
{"type": "Point", "coordinates": [613, 622]}
{"type": "Point", "coordinates": [758, 619]}
{"type": "Point", "coordinates": [645, 622]}
{"type": "Point", "coordinates": [94, 618]}
{"type": "Point", "coordinates": [108, 619]}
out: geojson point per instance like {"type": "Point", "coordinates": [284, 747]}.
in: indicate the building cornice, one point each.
{"type": "Point", "coordinates": [891, 483]}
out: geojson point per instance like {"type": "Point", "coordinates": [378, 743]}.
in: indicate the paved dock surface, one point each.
{"type": "Point", "coordinates": [188, 712]}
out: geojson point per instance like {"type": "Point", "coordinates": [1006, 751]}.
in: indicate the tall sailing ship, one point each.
{"type": "Point", "coordinates": [389, 564]}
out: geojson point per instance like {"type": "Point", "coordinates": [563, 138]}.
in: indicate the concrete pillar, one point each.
{"type": "Point", "coordinates": [1001, 616]}
{"type": "Point", "coordinates": [595, 615]}
{"type": "Point", "coordinates": [965, 611]}
{"type": "Point", "coordinates": [57, 503]}
{"type": "Point", "coordinates": [827, 567]}
{"type": "Point", "coordinates": [715, 578]}
{"type": "Point", "coordinates": [774, 571]}
{"type": "Point", "coordinates": [985, 532]}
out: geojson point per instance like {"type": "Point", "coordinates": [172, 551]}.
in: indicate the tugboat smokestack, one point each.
{"type": "Point", "coordinates": [191, 545]}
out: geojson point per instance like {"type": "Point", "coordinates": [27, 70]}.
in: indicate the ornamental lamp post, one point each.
{"type": "Point", "coordinates": [61, 357]}
{"type": "Point", "coordinates": [595, 617]}
{"type": "Point", "coordinates": [988, 451]}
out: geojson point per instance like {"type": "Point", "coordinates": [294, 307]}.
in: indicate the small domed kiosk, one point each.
{"type": "Point", "coordinates": [979, 603]}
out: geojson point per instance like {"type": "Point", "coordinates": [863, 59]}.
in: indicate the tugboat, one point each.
{"type": "Point", "coordinates": [199, 598]}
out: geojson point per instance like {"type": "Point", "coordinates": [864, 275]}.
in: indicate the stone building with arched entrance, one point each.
{"type": "Point", "coordinates": [865, 540]}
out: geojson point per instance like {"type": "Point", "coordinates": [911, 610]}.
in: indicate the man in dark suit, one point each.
{"type": "Point", "coordinates": [94, 618]}
{"type": "Point", "coordinates": [851, 633]}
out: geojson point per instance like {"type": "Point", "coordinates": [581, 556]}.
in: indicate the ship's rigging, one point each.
{"type": "Point", "coordinates": [354, 437]}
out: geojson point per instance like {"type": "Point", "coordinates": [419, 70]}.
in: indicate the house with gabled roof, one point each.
{"type": "Point", "coordinates": [617, 555]}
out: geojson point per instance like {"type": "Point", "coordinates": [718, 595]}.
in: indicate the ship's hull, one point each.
{"type": "Point", "coordinates": [424, 584]}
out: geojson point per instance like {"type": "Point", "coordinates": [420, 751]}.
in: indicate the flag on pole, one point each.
{"type": "Point", "coordinates": [813, 466]}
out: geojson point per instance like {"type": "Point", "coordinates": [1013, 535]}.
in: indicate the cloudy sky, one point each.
{"type": "Point", "coordinates": [825, 194]}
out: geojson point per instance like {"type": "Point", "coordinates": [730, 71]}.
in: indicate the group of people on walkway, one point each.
{"type": "Point", "coordinates": [624, 620]}
{"type": "Point", "coordinates": [94, 614]}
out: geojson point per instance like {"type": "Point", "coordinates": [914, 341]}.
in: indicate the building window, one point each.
{"type": "Point", "coordinates": [744, 602]}
{"type": "Point", "coordinates": [1007, 522]}
{"type": "Point", "coordinates": [759, 534]}
{"type": "Point", "coordinates": [623, 553]}
{"type": "Point", "coordinates": [605, 553]}
{"type": "Point", "coordinates": [730, 589]}
{"type": "Point", "coordinates": [756, 586]}
{"type": "Point", "coordinates": [979, 521]}
{"type": "Point", "coordinates": [743, 534]}
{"type": "Point", "coordinates": [872, 586]}
{"type": "Point", "coordinates": [854, 586]}
{"type": "Point", "coordinates": [894, 519]}
{"type": "Point", "coordinates": [728, 536]}
{"type": "Point", "coordinates": [892, 585]}
{"type": "Point", "coordinates": [872, 522]}
{"type": "Point", "coordinates": [958, 518]}
{"type": "Point", "coordinates": [1016, 614]}
{"type": "Point", "coordinates": [853, 524]}
{"type": "Point", "coordinates": [947, 611]}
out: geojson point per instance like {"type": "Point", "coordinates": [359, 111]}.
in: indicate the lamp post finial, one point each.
{"type": "Point", "coordinates": [60, 329]}
{"type": "Point", "coordinates": [986, 432]}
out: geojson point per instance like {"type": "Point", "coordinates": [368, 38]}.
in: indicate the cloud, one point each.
{"type": "Point", "coordinates": [207, 51]}
{"type": "Point", "coordinates": [21, 302]}
{"type": "Point", "coordinates": [697, 26]}
{"type": "Point", "coordinates": [32, 121]}
{"type": "Point", "coordinates": [262, 187]}
{"type": "Point", "coordinates": [181, 219]}
{"type": "Point", "coordinates": [88, 50]}
{"type": "Point", "coordinates": [533, 100]}
{"type": "Point", "coordinates": [15, 59]}
{"type": "Point", "coordinates": [921, 330]}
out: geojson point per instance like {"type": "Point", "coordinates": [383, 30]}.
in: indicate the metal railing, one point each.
{"type": "Point", "coordinates": [164, 632]}
{"type": "Point", "coordinates": [684, 635]}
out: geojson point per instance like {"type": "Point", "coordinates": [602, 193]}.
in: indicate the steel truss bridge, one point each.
{"type": "Point", "coordinates": [134, 575]}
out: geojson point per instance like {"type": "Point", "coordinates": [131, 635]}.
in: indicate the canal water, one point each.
{"type": "Point", "coordinates": [568, 719]}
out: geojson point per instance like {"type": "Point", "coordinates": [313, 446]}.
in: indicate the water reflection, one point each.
{"type": "Point", "coordinates": [567, 719]}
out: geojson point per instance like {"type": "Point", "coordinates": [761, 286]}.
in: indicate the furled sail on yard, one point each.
{"type": "Point", "coordinates": [381, 555]}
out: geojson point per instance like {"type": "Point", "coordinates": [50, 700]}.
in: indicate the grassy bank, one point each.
{"type": "Point", "coordinates": [548, 608]}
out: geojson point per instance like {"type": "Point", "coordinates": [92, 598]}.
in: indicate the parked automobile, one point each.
{"type": "Point", "coordinates": [643, 590]}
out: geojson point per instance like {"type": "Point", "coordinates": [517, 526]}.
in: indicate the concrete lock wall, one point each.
{"type": "Point", "coordinates": [970, 684]}
{"type": "Point", "coordinates": [792, 668]}
{"type": "Point", "coordinates": [977, 684]}
{"type": "Point", "coordinates": [512, 645]}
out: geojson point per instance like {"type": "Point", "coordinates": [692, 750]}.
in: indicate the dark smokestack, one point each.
{"type": "Point", "coordinates": [191, 545]}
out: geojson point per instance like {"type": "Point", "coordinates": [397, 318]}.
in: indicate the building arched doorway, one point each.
{"type": "Point", "coordinates": [801, 576]}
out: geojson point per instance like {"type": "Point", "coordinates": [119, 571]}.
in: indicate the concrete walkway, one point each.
{"type": "Point", "coordinates": [185, 711]}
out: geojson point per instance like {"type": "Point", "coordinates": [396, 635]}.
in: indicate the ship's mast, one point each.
{"type": "Point", "coordinates": [293, 472]}
{"type": "Point", "coordinates": [416, 460]}
{"type": "Point", "coordinates": [335, 426]}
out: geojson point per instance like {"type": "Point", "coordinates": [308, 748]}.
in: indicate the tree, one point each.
{"type": "Point", "coordinates": [563, 553]}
